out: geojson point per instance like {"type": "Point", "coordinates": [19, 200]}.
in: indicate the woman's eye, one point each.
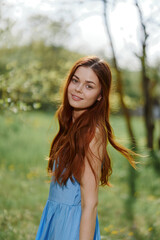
{"type": "Point", "coordinates": [74, 80]}
{"type": "Point", "coordinates": [89, 86]}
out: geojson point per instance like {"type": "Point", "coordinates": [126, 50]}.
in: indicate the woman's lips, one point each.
{"type": "Point", "coordinates": [76, 98]}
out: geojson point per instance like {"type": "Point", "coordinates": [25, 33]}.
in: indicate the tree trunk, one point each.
{"type": "Point", "coordinates": [119, 80]}
{"type": "Point", "coordinates": [148, 108]}
{"type": "Point", "coordinates": [129, 203]}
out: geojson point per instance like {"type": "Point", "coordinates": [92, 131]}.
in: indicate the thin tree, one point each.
{"type": "Point", "coordinates": [131, 174]}
{"type": "Point", "coordinates": [118, 77]}
{"type": "Point", "coordinates": [148, 106]}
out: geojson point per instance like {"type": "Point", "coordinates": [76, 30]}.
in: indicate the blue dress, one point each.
{"type": "Point", "coordinates": [62, 213]}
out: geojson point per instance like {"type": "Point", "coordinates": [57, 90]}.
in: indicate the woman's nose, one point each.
{"type": "Point", "coordinates": [79, 88]}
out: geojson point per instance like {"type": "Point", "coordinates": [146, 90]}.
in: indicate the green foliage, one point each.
{"type": "Point", "coordinates": [24, 144]}
{"type": "Point", "coordinates": [132, 88]}
{"type": "Point", "coordinates": [154, 75]}
{"type": "Point", "coordinates": [31, 76]}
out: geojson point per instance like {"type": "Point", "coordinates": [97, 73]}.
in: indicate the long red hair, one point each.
{"type": "Point", "coordinates": [71, 144]}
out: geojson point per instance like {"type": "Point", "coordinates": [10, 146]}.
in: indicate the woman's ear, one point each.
{"type": "Point", "coordinates": [99, 98]}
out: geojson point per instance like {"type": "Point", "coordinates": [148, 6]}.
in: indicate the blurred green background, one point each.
{"type": "Point", "coordinates": [31, 76]}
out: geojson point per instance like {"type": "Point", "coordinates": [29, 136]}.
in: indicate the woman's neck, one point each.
{"type": "Point", "coordinates": [76, 114]}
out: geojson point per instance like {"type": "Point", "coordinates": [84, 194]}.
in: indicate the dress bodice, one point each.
{"type": "Point", "coordinates": [69, 194]}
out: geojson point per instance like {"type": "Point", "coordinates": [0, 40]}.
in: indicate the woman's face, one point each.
{"type": "Point", "coordinates": [84, 88]}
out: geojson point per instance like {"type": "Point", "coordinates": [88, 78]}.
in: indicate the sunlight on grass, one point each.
{"type": "Point", "coordinates": [25, 144]}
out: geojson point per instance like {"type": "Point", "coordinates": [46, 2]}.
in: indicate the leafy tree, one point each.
{"type": "Point", "coordinates": [31, 75]}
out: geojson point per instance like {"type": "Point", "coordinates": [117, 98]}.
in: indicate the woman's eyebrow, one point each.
{"type": "Point", "coordinates": [75, 76]}
{"type": "Point", "coordinates": [90, 82]}
{"type": "Point", "coordinates": [85, 80]}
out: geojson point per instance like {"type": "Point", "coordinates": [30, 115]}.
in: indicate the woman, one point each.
{"type": "Point", "coordinates": [78, 158]}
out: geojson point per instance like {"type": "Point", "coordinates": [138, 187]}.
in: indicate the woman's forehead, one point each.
{"type": "Point", "coordinates": [86, 74]}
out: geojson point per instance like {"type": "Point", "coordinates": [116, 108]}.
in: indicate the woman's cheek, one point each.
{"type": "Point", "coordinates": [70, 87]}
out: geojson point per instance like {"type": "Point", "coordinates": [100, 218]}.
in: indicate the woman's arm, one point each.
{"type": "Point", "coordinates": [89, 192]}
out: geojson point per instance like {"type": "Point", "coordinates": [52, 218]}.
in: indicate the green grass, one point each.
{"type": "Point", "coordinates": [25, 143]}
